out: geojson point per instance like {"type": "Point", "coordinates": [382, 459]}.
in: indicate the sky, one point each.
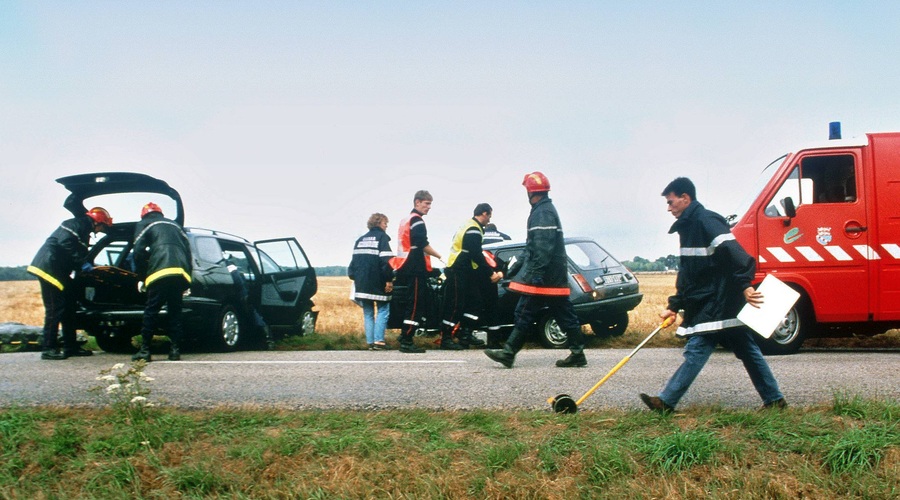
{"type": "Point", "coordinates": [302, 118]}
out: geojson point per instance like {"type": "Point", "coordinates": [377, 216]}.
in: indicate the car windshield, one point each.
{"type": "Point", "coordinates": [757, 188]}
{"type": "Point", "coordinates": [588, 255]}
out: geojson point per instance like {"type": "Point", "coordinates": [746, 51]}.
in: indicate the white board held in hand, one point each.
{"type": "Point", "coordinates": [778, 299]}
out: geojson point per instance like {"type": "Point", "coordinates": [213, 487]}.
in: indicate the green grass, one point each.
{"type": "Point", "coordinates": [849, 449]}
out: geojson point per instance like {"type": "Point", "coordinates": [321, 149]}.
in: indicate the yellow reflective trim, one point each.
{"type": "Point", "coordinates": [169, 271]}
{"type": "Point", "coordinates": [44, 276]}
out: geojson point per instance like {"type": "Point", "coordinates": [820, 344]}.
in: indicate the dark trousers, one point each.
{"type": "Point", "coordinates": [463, 304]}
{"type": "Point", "coordinates": [59, 307]}
{"type": "Point", "coordinates": [166, 291]}
{"type": "Point", "coordinates": [561, 310]}
{"type": "Point", "coordinates": [416, 305]}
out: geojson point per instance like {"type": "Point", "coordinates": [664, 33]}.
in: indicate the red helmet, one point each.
{"type": "Point", "coordinates": [536, 182]}
{"type": "Point", "coordinates": [100, 216]}
{"type": "Point", "coordinates": [150, 207]}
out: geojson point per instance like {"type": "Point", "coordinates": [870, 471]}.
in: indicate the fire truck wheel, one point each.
{"type": "Point", "coordinates": [790, 334]}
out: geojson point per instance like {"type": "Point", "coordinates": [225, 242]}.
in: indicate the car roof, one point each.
{"type": "Point", "coordinates": [84, 186]}
{"type": "Point", "coordinates": [513, 244]}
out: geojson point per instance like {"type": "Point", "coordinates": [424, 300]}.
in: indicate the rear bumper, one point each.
{"type": "Point", "coordinates": [589, 311]}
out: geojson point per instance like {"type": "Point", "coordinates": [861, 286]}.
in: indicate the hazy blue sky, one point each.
{"type": "Point", "coordinates": [302, 118]}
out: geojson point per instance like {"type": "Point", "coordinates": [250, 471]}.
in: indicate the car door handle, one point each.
{"type": "Point", "coordinates": [855, 229]}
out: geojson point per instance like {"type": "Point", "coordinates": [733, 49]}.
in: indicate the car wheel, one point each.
{"type": "Point", "coordinates": [120, 343]}
{"type": "Point", "coordinates": [612, 326]}
{"type": "Point", "coordinates": [306, 325]}
{"type": "Point", "coordinates": [791, 332]}
{"type": "Point", "coordinates": [228, 330]}
{"type": "Point", "coordinates": [550, 335]}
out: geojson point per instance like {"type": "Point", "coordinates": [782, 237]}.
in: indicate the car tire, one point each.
{"type": "Point", "coordinates": [120, 344]}
{"type": "Point", "coordinates": [550, 335]}
{"type": "Point", "coordinates": [306, 324]}
{"type": "Point", "coordinates": [796, 326]}
{"type": "Point", "coordinates": [612, 326]}
{"type": "Point", "coordinates": [228, 331]}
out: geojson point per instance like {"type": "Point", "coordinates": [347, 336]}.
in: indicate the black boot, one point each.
{"type": "Point", "coordinates": [448, 344]}
{"type": "Point", "coordinates": [270, 339]}
{"type": "Point", "coordinates": [144, 353]}
{"type": "Point", "coordinates": [572, 361]}
{"type": "Point", "coordinates": [52, 354]}
{"type": "Point", "coordinates": [77, 351]}
{"type": "Point", "coordinates": [504, 356]}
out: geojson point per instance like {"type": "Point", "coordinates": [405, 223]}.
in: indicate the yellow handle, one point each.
{"type": "Point", "coordinates": [602, 380]}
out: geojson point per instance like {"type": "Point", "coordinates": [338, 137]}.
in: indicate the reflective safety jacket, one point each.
{"type": "Point", "coordinates": [369, 267]}
{"type": "Point", "coordinates": [161, 249]}
{"type": "Point", "coordinates": [465, 251]}
{"type": "Point", "coordinates": [63, 252]}
{"type": "Point", "coordinates": [713, 272]}
{"type": "Point", "coordinates": [412, 238]}
{"type": "Point", "coordinates": [544, 267]}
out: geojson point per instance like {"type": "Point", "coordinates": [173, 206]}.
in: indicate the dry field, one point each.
{"type": "Point", "coordinates": [20, 301]}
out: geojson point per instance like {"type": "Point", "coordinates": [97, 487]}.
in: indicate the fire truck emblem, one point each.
{"type": "Point", "coordinates": [824, 235]}
{"type": "Point", "coordinates": [792, 235]}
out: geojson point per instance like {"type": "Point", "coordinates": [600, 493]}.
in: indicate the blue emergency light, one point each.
{"type": "Point", "coordinates": [834, 131]}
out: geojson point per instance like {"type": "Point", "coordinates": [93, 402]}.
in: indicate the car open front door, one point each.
{"type": "Point", "coordinates": [287, 283]}
{"type": "Point", "coordinates": [820, 235]}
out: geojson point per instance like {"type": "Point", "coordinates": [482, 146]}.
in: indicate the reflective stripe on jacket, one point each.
{"type": "Point", "coordinates": [64, 251]}
{"type": "Point", "coordinates": [369, 267]}
{"type": "Point", "coordinates": [161, 249]}
{"type": "Point", "coordinates": [544, 268]}
{"type": "Point", "coordinates": [412, 238]}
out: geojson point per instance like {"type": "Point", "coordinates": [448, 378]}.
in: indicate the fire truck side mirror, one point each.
{"type": "Point", "coordinates": [789, 209]}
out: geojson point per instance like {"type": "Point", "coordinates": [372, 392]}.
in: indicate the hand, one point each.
{"type": "Point", "coordinates": [496, 277]}
{"type": "Point", "coordinates": [753, 297]}
{"type": "Point", "coordinates": [389, 287]}
{"type": "Point", "coordinates": [140, 287]}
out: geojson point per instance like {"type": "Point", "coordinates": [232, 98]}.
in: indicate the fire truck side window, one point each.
{"type": "Point", "coordinates": [817, 179]}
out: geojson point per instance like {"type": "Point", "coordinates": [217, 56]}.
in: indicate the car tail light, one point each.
{"type": "Point", "coordinates": [585, 286]}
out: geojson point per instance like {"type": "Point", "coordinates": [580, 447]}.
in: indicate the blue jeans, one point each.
{"type": "Point", "coordinates": [697, 352]}
{"type": "Point", "coordinates": [375, 326]}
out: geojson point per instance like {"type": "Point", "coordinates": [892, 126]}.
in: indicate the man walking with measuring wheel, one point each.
{"type": "Point", "coordinates": [713, 285]}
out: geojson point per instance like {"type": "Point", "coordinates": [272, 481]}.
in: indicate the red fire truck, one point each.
{"type": "Point", "coordinates": [826, 221]}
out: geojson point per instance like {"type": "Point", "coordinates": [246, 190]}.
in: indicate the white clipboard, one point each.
{"type": "Point", "coordinates": [778, 299]}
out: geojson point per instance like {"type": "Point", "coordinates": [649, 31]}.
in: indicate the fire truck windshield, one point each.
{"type": "Point", "coordinates": [757, 188]}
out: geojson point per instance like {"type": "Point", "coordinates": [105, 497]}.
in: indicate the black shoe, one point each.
{"type": "Point", "coordinates": [476, 343]}
{"type": "Point", "coordinates": [656, 404]}
{"type": "Point", "coordinates": [78, 351]}
{"type": "Point", "coordinates": [380, 347]}
{"type": "Point", "coordinates": [411, 349]}
{"type": "Point", "coordinates": [572, 361]}
{"type": "Point", "coordinates": [270, 345]}
{"type": "Point", "coordinates": [778, 404]}
{"type": "Point", "coordinates": [54, 355]}
{"type": "Point", "coordinates": [449, 345]}
{"type": "Point", "coordinates": [174, 354]}
{"type": "Point", "coordinates": [144, 354]}
{"type": "Point", "coordinates": [502, 356]}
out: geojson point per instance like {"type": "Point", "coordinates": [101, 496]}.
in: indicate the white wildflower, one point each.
{"type": "Point", "coordinates": [113, 388]}
{"type": "Point", "coordinates": [118, 366]}
{"type": "Point", "coordinates": [138, 399]}
{"type": "Point", "coordinates": [145, 377]}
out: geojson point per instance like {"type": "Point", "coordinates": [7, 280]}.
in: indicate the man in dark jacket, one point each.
{"type": "Point", "coordinates": [542, 277]}
{"type": "Point", "coordinates": [713, 284]}
{"type": "Point", "coordinates": [467, 271]}
{"type": "Point", "coordinates": [64, 252]}
{"type": "Point", "coordinates": [162, 257]}
{"type": "Point", "coordinates": [413, 264]}
{"type": "Point", "coordinates": [373, 279]}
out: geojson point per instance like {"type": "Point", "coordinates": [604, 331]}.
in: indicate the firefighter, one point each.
{"type": "Point", "coordinates": [467, 270]}
{"type": "Point", "coordinates": [242, 290]}
{"type": "Point", "coordinates": [713, 285]}
{"type": "Point", "coordinates": [162, 257]}
{"type": "Point", "coordinates": [541, 277]}
{"type": "Point", "coordinates": [413, 266]}
{"type": "Point", "coordinates": [65, 251]}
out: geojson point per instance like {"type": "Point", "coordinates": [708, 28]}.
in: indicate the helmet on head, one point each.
{"type": "Point", "coordinates": [100, 216]}
{"type": "Point", "coordinates": [150, 207]}
{"type": "Point", "coordinates": [536, 182]}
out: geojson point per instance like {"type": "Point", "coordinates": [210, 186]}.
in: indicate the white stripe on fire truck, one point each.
{"type": "Point", "coordinates": [893, 249]}
{"type": "Point", "coordinates": [780, 254]}
{"type": "Point", "coordinates": [838, 253]}
{"type": "Point", "coordinates": [867, 252]}
{"type": "Point", "coordinates": [810, 254]}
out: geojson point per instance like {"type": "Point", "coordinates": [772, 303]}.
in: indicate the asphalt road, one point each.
{"type": "Point", "coordinates": [443, 380]}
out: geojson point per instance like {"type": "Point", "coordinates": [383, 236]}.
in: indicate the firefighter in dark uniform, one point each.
{"type": "Point", "coordinates": [162, 257]}
{"type": "Point", "coordinates": [64, 252]}
{"type": "Point", "coordinates": [541, 277]}
{"type": "Point", "coordinates": [467, 270]}
{"type": "Point", "coordinates": [413, 265]}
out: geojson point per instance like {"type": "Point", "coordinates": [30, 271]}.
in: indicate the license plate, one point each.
{"type": "Point", "coordinates": [613, 279]}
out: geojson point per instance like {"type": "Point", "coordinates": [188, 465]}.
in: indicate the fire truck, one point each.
{"type": "Point", "coordinates": [826, 221]}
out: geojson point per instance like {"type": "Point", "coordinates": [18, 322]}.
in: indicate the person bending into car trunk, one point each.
{"type": "Point", "coordinates": [467, 270]}
{"type": "Point", "coordinates": [65, 251]}
{"type": "Point", "coordinates": [542, 279]}
{"type": "Point", "coordinates": [413, 265]}
{"type": "Point", "coordinates": [162, 257]}
{"type": "Point", "coordinates": [712, 286]}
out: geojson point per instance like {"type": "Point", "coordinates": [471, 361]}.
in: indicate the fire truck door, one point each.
{"type": "Point", "coordinates": [826, 240]}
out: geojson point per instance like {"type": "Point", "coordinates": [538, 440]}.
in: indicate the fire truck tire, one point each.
{"type": "Point", "coordinates": [793, 330]}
